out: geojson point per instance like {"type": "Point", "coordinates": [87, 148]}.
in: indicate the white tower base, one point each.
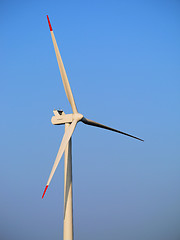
{"type": "Point", "coordinates": [68, 206]}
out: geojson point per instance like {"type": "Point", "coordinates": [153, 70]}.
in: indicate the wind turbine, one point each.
{"type": "Point", "coordinates": [70, 121]}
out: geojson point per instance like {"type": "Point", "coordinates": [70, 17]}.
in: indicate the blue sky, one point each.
{"type": "Point", "coordinates": [122, 59]}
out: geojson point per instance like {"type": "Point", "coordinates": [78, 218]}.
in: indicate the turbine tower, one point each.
{"type": "Point", "coordinates": [70, 121]}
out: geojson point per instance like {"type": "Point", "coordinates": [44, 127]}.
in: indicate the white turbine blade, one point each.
{"type": "Point", "coordinates": [63, 72]}
{"type": "Point", "coordinates": [95, 124]}
{"type": "Point", "coordinates": [63, 145]}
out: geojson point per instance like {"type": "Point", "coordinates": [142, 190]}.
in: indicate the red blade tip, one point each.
{"type": "Point", "coordinates": [49, 23]}
{"type": "Point", "coordinates": [45, 191]}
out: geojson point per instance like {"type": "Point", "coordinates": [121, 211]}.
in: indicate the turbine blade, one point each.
{"type": "Point", "coordinates": [62, 71]}
{"type": "Point", "coordinates": [95, 124]}
{"type": "Point", "coordinates": [63, 145]}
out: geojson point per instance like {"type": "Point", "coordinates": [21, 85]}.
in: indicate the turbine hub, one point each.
{"type": "Point", "coordinates": [77, 116]}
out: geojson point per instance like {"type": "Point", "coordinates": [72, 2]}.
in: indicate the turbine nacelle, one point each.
{"type": "Point", "coordinates": [60, 117]}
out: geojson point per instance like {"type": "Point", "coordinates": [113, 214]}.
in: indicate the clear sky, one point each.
{"type": "Point", "coordinates": [123, 62]}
